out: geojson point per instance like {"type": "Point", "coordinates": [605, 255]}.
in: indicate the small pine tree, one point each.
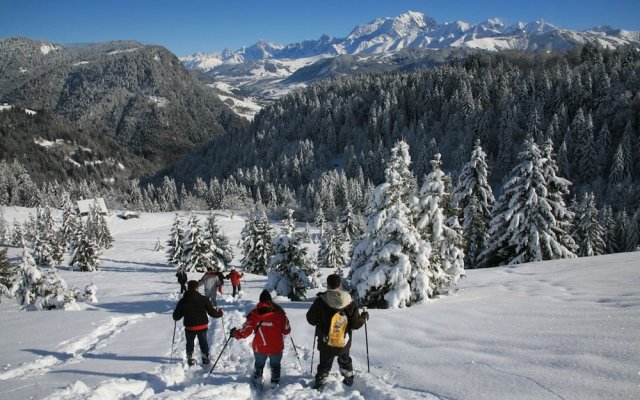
{"type": "Point", "coordinates": [18, 238]}
{"type": "Point", "coordinates": [7, 273]}
{"type": "Point", "coordinates": [85, 253]}
{"type": "Point", "coordinates": [291, 272]}
{"type": "Point", "coordinates": [35, 290]}
{"type": "Point", "coordinates": [174, 244]}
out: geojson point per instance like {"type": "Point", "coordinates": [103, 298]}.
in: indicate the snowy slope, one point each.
{"type": "Point", "coordinates": [563, 329]}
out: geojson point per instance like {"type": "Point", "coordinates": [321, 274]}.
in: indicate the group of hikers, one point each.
{"type": "Point", "coordinates": [333, 313]}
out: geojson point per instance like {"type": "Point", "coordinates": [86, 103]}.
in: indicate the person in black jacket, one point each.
{"type": "Point", "coordinates": [319, 315]}
{"type": "Point", "coordinates": [182, 280]}
{"type": "Point", "coordinates": [194, 307]}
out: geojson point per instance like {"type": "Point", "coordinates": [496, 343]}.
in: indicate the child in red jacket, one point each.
{"type": "Point", "coordinates": [270, 324]}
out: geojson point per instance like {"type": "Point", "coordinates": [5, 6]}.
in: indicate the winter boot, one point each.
{"type": "Point", "coordinates": [190, 360]}
{"type": "Point", "coordinates": [321, 380]}
{"type": "Point", "coordinates": [256, 382]}
{"type": "Point", "coordinates": [205, 359]}
{"type": "Point", "coordinates": [348, 380]}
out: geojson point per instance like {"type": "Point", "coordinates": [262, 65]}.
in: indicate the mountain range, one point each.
{"type": "Point", "coordinates": [264, 71]}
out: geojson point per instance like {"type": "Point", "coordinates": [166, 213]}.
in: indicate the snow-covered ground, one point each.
{"type": "Point", "coordinates": [553, 330]}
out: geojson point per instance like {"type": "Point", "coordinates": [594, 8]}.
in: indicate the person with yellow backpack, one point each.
{"type": "Point", "coordinates": [335, 315]}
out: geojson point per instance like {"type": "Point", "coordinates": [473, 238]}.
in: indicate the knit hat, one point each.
{"type": "Point", "coordinates": [265, 295]}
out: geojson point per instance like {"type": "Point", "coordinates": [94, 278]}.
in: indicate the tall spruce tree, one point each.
{"type": "Point", "coordinates": [220, 248]}
{"type": "Point", "coordinates": [473, 195]}
{"type": "Point", "coordinates": [330, 253]}
{"type": "Point", "coordinates": [429, 207]}
{"type": "Point", "coordinates": [587, 231]}
{"type": "Point", "coordinates": [257, 236]}
{"type": "Point", "coordinates": [196, 256]}
{"type": "Point", "coordinates": [390, 263]}
{"type": "Point", "coordinates": [523, 223]}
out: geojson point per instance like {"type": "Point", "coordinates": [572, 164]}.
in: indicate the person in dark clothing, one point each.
{"type": "Point", "coordinates": [269, 324]}
{"type": "Point", "coordinates": [320, 315]}
{"type": "Point", "coordinates": [220, 276]}
{"type": "Point", "coordinates": [182, 280]}
{"type": "Point", "coordinates": [194, 307]}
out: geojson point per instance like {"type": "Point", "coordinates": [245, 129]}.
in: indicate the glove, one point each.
{"type": "Point", "coordinates": [233, 330]}
{"type": "Point", "coordinates": [365, 315]}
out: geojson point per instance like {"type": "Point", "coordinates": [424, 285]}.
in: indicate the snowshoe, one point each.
{"type": "Point", "coordinates": [256, 384]}
{"type": "Point", "coordinates": [348, 380]}
{"type": "Point", "coordinates": [205, 359]}
{"type": "Point", "coordinates": [191, 362]}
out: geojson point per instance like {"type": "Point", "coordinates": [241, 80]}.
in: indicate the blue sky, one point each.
{"type": "Point", "coordinates": [190, 26]}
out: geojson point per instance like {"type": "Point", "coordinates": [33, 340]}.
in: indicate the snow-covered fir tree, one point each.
{"type": "Point", "coordinates": [18, 239]}
{"type": "Point", "coordinates": [85, 251]}
{"type": "Point", "coordinates": [557, 190]}
{"type": "Point", "coordinates": [330, 253]}
{"type": "Point", "coordinates": [320, 222]}
{"type": "Point", "coordinates": [523, 226]}
{"type": "Point", "coordinates": [34, 289]}
{"type": "Point", "coordinates": [608, 223]}
{"type": "Point", "coordinates": [98, 228]}
{"type": "Point", "coordinates": [174, 244]}
{"type": "Point", "coordinates": [220, 248]}
{"type": "Point", "coordinates": [351, 224]}
{"type": "Point", "coordinates": [7, 272]}
{"type": "Point", "coordinates": [473, 195]}
{"type": "Point", "coordinates": [447, 256]}
{"type": "Point", "coordinates": [390, 263]}
{"type": "Point", "coordinates": [90, 292]}
{"type": "Point", "coordinates": [257, 237]}
{"type": "Point", "coordinates": [47, 248]}
{"type": "Point", "coordinates": [587, 231]}
{"type": "Point", "coordinates": [291, 271]}
{"type": "Point", "coordinates": [196, 253]}
{"type": "Point", "coordinates": [70, 222]}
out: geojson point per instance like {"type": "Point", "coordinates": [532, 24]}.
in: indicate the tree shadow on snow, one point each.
{"type": "Point", "coordinates": [138, 307]}
{"type": "Point", "coordinates": [143, 266]}
{"type": "Point", "coordinates": [157, 384]}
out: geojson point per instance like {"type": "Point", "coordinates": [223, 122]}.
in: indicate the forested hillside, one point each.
{"type": "Point", "coordinates": [585, 101]}
{"type": "Point", "coordinates": [140, 97]}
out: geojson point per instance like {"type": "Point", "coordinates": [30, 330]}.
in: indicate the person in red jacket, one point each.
{"type": "Point", "coordinates": [270, 324]}
{"type": "Point", "coordinates": [235, 277]}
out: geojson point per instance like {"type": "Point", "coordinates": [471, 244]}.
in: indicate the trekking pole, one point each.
{"type": "Point", "coordinates": [296, 351]}
{"type": "Point", "coordinates": [173, 341]}
{"type": "Point", "coordinates": [366, 341]}
{"type": "Point", "coordinates": [313, 352]}
{"type": "Point", "coordinates": [220, 355]}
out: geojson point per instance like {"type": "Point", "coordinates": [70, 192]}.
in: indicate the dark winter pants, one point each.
{"type": "Point", "coordinates": [326, 361]}
{"type": "Point", "coordinates": [183, 287]}
{"type": "Point", "coordinates": [202, 341]}
{"type": "Point", "coordinates": [274, 363]}
{"type": "Point", "coordinates": [236, 289]}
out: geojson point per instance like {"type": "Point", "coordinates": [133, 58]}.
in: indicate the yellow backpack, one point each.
{"type": "Point", "coordinates": [338, 330]}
